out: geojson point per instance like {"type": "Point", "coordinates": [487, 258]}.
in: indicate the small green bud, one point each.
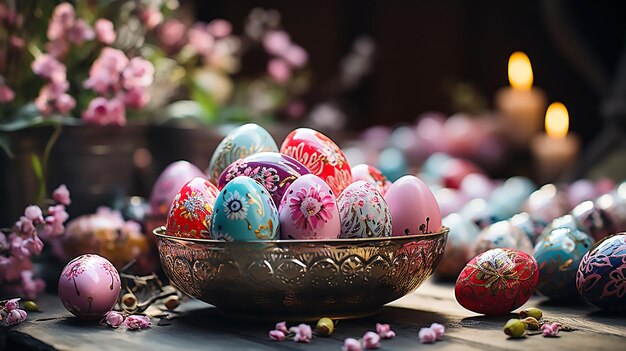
{"type": "Point", "coordinates": [325, 326]}
{"type": "Point", "coordinates": [531, 312]}
{"type": "Point", "coordinates": [31, 306]}
{"type": "Point", "coordinates": [515, 328]}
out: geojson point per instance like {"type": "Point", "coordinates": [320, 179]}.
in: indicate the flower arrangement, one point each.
{"type": "Point", "coordinates": [19, 243]}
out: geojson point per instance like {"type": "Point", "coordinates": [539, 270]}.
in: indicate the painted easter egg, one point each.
{"type": "Point", "coordinates": [364, 212]}
{"type": "Point", "coordinates": [502, 235]}
{"type": "Point", "coordinates": [169, 183]}
{"type": "Point", "coordinates": [601, 274]}
{"type": "Point", "coordinates": [530, 227]}
{"type": "Point", "coordinates": [413, 207]}
{"type": "Point", "coordinates": [89, 286]}
{"type": "Point", "coordinates": [272, 170]}
{"type": "Point", "coordinates": [593, 220]}
{"type": "Point", "coordinates": [558, 256]}
{"type": "Point", "coordinates": [479, 212]}
{"type": "Point", "coordinates": [567, 221]}
{"type": "Point", "coordinates": [320, 155]}
{"type": "Point", "coordinates": [244, 211]}
{"type": "Point", "coordinates": [614, 206]}
{"type": "Point", "coordinates": [190, 213]}
{"type": "Point", "coordinates": [372, 175]}
{"type": "Point", "coordinates": [546, 204]}
{"type": "Point", "coordinates": [309, 210]}
{"type": "Point", "coordinates": [497, 281]}
{"type": "Point", "coordinates": [508, 199]}
{"type": "Point", "coordinates": [462, 234]}
{"type": "Point", "coordinates": [249, 139]}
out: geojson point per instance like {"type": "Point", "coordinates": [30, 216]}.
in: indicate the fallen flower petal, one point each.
{"type": "Point", "coordinates": [12, 304]}
{"type": "Point", "coordinates": [16, 316]}
{"type": "Point", "coordinates": [427, 336]}
{"type": "Point", "coordinates": [303, 333]}
{"type": "Point", "coordinates": [114, 319]}
{"type": "Point", "coordinates": [136, 322]}
{"type": "Point", "coordinates": [282, 326]}
{"type": "Point", "coordinates": [351, 344]}
{"type": "Point", "coordinates": [548, 329]}
{"type": "Point", "coordinates": [384, 330]}
{"type": "Point", "coordinates": [438, 329]}
{"type": "Point", "coordinates": [371, 340]}
{"type": "Point", "coordinates": [277, 335]}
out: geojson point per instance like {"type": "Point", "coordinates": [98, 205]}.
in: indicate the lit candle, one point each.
{"type": "Point", "coordinates": [521, 105]}
{"type": "Point", "coordinates": [555, 151]}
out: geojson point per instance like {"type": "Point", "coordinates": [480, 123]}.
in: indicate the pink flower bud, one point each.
{"type": "Point", "coordinates": [138, 73]}
{"type": "Point", "coordinates": [137, 97]}
{"type": "Point", "coordinates": [151, 17]}
{"type": "Point", "coordinates": [548, 329]}
{"type": "Point", "coordinates": [384, 330]}
{"type": "Point", "coordinates": [62, 195]}
{"type": "Point", "coordinates": [34, 213]}
{"type": "Point", "coordinates": [303, 333]}
{"type": "Point", "coordinates": [80, 32]}
{"type": "Point", "coordinates": [6, 94]}
{"type": "Point", "coordinates": [276, 42]}
{"type": "Point", "coordinates": [277, 335]}
{"type": "Point", "coordinates": [296, 56]}
{"type": "Point", "coordinates": [219, 28]}
{"type": "Point", "coordinates": [351, 344]}
{"type": "Point", "coordinates": [12, 304]}
{"type": "Point", "coordinates": [114, 319]}
{"type": "Point", "coordinates": [16, 316]}
{"type": "Point", "coordinates": [427, 336]}
{"type": "Point", "coordinates": [282, 326]}
{"type": "Point", "coordinates": [371, 340]}
{"type": "Point", "coordinates": [64, 104]}
{"type": "Point", "coordinates": [105, 32]}
{"type": "Point", "coordinates": [136, 322]}
{"type": "Point", "coordinates": [438, 329]}
{"type": "Point", "coordinates": [279, 70]}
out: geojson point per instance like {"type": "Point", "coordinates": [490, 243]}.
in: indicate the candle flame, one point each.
{"type": "Point", "coordinates": [520, 71]}
{"type": "Point", "coordinates": [557, 120]}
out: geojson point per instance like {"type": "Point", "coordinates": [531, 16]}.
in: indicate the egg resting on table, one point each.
{"type": "Point", "coordinates": [246, 140]}
{"type": "Point", "coordinates": [89, 286]}
{"type": "Point", "coordinates": [190, 213]}
{"type": "Point", "coordinates": [244, 211]}
{"type": "Point", "coordinates": [320, 155]}
{"type": "Point", "coordinates": [497, 281]}
{"type": "Point", "coordinates": [413, 207]}
{"type": "Point", "coordinates": [363, 212]}
{"type": "Point", "coordinates": [309, 210]}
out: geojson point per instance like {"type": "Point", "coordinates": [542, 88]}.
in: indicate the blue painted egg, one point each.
{"type": "Point", "coordinates": [244, 211]}
{"type": "Point", "coordinates": [567, 221]}
{"type": "Point", "coordinates": [558, 256]}
{"type": "Point", "coordinates": [508, 199]}
{"type": "Point", "coordinates": [501, 235]}
{"type": "Point", "coordinates": [601, 274]}
{"type": "Point", "coordinates": [531, 228]}
{"type": "Point", "coordinates": [363, 212]}
{"type": "Point", "coordinates": [463, 233]}
{"type": "Point", "coordinates": [249, 139]}
{"type": "Point", "coordinates": [479, 212]}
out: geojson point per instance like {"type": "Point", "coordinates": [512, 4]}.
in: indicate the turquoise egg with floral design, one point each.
{"type": "Point", "coordinates": [243, 141]}
{"type": "Point", "coordinates": [558, 255]}
{"type": "Point", "coordinates": [244, 211]}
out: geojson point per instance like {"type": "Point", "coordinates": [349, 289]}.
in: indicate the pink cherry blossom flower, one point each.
{"type": "Point", "coordinates": [310, 207]}
{"type": "Point", "coordinates": [57, 48]}
{"type": "Point", "coordinates": [384, 330]}
{"type": "Point", "coordinates": [277, 335]}
{"type": "Point", "coordinates": [552, 330]}
{"type": "Point", "coordinates": [16, 316]}
{"type": "Point", "coordinates": [200, 40]}
{"type": "Point", "coordinates": [151, 17]}
{"type": "Point", "coordinates": [105, 32]}
{"type": "Point", "coordinates": [219, 28]}
{"type": "Point", "coordinates": [50, 68]}
{"type": "Point", "coordinates": [172, 34]}
{"type": "Point", "coordinates": [101, 111]}
{"type": "Point", "coordinates": [279, 70]}
{"type": "Point", "coordinates": [137, 97]}
{"type": "Point", "coordinates": [64, 14]}
{"type": "Point", "coordinates": [427, 336]}
{"type": "Point", "coordinates": [12, 304]}
{"type": "Point", "coordinates": [114, 319]}
{"type": "Point", "coordinates": [34, 213]}
{"type": "Point", "coordinates": [62, 195]}
{"type": "Point", "coordinates": [105, 72]}
{"type": "Point", "coordinates": [351, 344]}
{"type": "Point", "coordinates": [138, 73]}
{"type": "Point", "coordinates": [276, 42]}
{"type": "Point", "coordinates": [25, 226]}
{"type": "Point", "coordinates": [438, 329]}
{"type": "Point", "coordinates": [17, 42]}
{"type": "Point", "coordinates": [282, 326]}
{"type": "Point", "coordinates": [18, 250]}
{"type": "Point", "coordinates": [6, 94]}
{"type": "Point", "coordinates": [65, 103]}
{"type": "Point", "coordinates": [81, 32]}
{"type": "Point", "coordinates": [296, 56]}
{"type": "Point", "coordinates": [371, 340]}
{"type": "Point", "coordinates": [33, 245]}
{"type": "Point", "coordinates": [53, 225]}
{"type": "Point", "coordinates": [303, 333]}
{"type": "Point", "coordinates": [31, 286]}
{"type": "Point", "coordinates": [136, 322]}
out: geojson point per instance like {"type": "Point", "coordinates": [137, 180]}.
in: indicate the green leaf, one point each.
{"type": "Point", "coordinates": [5, 144]}
{"type": "Point", "coordinates": [209, 107]}
{"type": "Point", "coordinates": [40, 177]}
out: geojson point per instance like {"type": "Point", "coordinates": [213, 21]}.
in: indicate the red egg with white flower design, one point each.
{"type": "Point", "coordinates": [497, 281]}
{"type": "Point", "coordinates": [320, 155]}
{"type": "Point", "coordinates": [309, 210]}
{"type": "Point", "coordinates": [190, 213]}
{"type": "Point", "coordinates": [89, 286]}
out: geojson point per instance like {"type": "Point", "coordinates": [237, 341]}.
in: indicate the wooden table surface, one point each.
{"type": "Point", "coordinates": [198, 326]}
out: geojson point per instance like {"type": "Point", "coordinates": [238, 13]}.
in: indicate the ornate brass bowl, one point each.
{"type": "Point", "coordinates": [300, 279]}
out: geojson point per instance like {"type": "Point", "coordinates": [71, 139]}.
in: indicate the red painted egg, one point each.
{"type": "Point", "coordinates": [371, 175]}
{"type": "Point", "coordinates": [320, 155]}
{"type": "Point", "coordinates": [497, 281]}
{"type": "Point", "coordinates": [190, 213]}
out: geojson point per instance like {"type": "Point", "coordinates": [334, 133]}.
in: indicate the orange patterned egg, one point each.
{"type": "Point", "coordinates": [190, 213]}
{"type": "Point", "coordinates": [320, 155]}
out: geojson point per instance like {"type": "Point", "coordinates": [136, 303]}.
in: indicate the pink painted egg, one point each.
{"type": "Point", "coordinates": [320, 155]}
{"type": "Point", "coordinates": [190, 213]}
{"type": "Point", "coordinates": [309, 210]}
{"type": "Point", "coordinates": [413, 207]}
{"type": "Point", "coordinates": [497, 282]}
{"type": "Point", "coordinates": [371, 175]}
{"type": "Point", "coordinates": [89, 286]}
{"type": "Point", "coordinates": [363, 212]}
{"type": "Point", "coordinates": [169, 183]}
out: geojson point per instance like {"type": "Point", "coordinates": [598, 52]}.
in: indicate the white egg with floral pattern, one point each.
{"type": "Point", "coordinates": [309, 210]}
{"type": "Point", "coordinates": [364, 212]}
{"type": "Point", "coordinates": [244, 211]}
